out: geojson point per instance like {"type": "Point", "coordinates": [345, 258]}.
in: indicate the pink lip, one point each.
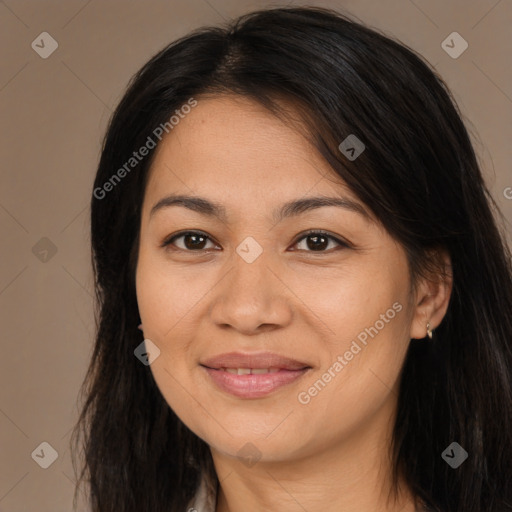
{"type": "Point", "coordinates": [253, 360]}
{"type": "Point", "coordinates": [253, 386]}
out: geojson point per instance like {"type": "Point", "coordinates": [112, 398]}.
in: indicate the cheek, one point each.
{"type": "Point", "coordinates": [371, 338]}
{"type": "Point", "coordinates": [166, 295]}
{"type": "Point", "coordinates": [347, 301]}
{"type": "Point", "coordinates": [167, 303]}
{"type": "Point", "coordinates": [356, 382]}
{"type": "Point", "coordinates": [368, 318]}
{"type": "Point", "coordinates": [179, 393]}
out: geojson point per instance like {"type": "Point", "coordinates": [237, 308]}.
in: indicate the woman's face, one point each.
{"type": "Point", "coordinates": [253, 281]}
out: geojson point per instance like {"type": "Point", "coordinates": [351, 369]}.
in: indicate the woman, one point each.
{"type": "Point", "coordinates": [303, 295]}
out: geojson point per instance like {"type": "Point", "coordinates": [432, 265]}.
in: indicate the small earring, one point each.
{"type": "Point", "coordinates": [429, 330]}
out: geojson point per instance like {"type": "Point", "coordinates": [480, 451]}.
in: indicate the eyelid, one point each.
{"type": "Point", "coordinates": [342, 243]}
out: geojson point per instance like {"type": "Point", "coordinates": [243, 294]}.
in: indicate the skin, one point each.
{"type": "Point", "coordinates": [332, 453]}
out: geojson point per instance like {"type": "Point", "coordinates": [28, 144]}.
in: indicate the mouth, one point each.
{"type": "Point", "coordinates": [249, 371]}
{"type": "Point", "coordinates": [253, 375]}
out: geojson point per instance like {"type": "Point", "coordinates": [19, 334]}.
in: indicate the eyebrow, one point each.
{"type": "Point", "coordinates": [206, 207]}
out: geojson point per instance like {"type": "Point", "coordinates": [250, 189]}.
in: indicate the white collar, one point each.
{"type": "Point", "coordinates": [206, 496]}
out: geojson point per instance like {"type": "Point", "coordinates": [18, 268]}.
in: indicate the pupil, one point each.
{"type": "Point", "coordinates": [194, 237]}
{"type": "Point", "coordinates": [315, 239]}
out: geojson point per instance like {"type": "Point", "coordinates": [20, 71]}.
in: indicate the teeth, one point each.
{"type": "Point", "coordinates": [259, 370]}
{"type": "Point", "coordinates": [247, 371]}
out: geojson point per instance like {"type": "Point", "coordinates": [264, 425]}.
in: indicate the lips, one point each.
{"type": "Point", "coordinates": [262, 360]}
{"type": "Point", "coordinates": [252, 376]}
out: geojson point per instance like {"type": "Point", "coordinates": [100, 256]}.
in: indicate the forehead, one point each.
{"type": "Point", "coordinates": [234, 150]}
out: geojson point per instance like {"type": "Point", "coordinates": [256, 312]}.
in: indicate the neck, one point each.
{"type": "Point", "coordinates": [352, 475]}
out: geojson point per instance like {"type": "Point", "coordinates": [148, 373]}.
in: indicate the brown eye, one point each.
{"type": "Point", "coordinates": [192, 241]}
{"type": "Point", "coordinates": [318, 241]}
{"type": "Point", "coordinates": [195, 241]}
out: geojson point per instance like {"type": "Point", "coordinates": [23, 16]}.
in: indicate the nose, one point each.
{"type": "Point", "coordinates": [252, 298]}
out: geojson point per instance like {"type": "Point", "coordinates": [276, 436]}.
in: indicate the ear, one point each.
{"type": "Point", "coordinates": [432, 297]}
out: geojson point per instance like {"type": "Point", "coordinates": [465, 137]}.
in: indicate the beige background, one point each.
{"type": "Point", "coordinates": [54, 113]}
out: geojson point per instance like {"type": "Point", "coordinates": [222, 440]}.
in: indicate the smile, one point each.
{"type": "Point", "coordinates": [250, 383]}
{"type": "Point", "coordinates": [247, 371]}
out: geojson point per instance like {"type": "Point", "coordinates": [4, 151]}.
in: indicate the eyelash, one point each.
{"type": "Point", "coordinates": [169, 241]}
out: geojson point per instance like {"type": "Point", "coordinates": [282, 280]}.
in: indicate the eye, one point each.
{"type": "Point", "coordinates": [317, 241]}
{"type": "Point", "coordinates": [194, 241]}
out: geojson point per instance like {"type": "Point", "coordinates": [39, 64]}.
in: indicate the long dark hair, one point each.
{"type": "Point", "coordinates": [418, 174]}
